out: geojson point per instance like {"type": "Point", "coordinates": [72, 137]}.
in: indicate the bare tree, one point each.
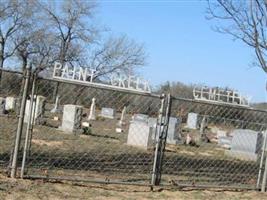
{"type": "Point", "coordinates": [245, 21]}
{"type": "Point", "coordinates": [13, 17]}
{"type": "Point", "coordinates": [71, 22]}
{"type": "Point", "coordinates": [117, 55]}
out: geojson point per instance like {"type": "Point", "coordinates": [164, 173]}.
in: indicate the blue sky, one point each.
{"type": "Point", "coordinates": [182, 46]}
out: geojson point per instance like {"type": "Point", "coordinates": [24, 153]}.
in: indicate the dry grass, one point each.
{"type": "Point", "coordinates": [11, 189]}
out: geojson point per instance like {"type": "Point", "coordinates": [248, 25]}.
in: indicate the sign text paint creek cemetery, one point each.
{"type": "Point", "coordinates": [87, 75]}
{"type": "Point", "coordinates": [220, 95]}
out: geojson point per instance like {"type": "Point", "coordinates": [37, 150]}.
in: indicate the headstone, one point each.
{"type": "Point", "coordinates": [10, 103]}
{"type": "Point", "coordinates": [192, 120]}
{"type": "Point", "coordinates": [140, 117]}
{"type": "Point", "coordinates": [92, 111]}
{"type": "Point", "coordinates": [139, 134]}
{"type": "Point", "coordinates": [203, 125]}
{"type": "Point", "coordinates": [56, 109]}
{"type": "Point", "coordinates": [152, 122]}
{"type": "Point", "coordinates": [121, 122]}
{"type": "Point", "coordinates": [246, 144]}
{"type": "Point", "coordinates": [107, 113]}
{"type": "Point", "coordinates": [221, 133]}
{"type": "Point", "coordinates": [173, 136]}
{"type": "Point", "coordinates": [72, 118]}
{"type": "Point", "coordinates": [85, 124]}
{"type": "Point", "coordinates": [2, 105]}
{"type": "Point", "coordinates": [37, 109]}
{"type": "Point", "coordinates": [225, 141]}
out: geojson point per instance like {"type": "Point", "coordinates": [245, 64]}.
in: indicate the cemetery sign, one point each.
{"type": "Point", "coordinates": [220, 95]}
{"type": "Point", "coordinates": [87, 75]}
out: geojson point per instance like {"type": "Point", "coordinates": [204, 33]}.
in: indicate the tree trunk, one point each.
{"type": "Point", "coordinates": [1, 66]}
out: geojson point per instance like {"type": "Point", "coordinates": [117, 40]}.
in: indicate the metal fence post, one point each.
{"type": "Point", "coordinates": [263, 185]}
{"type": "Point", "coordinates": [262, 159]}
{"type": "Point", "coordinates": [20, 124]}
{"type": "Point", "coordinates": [29, 128]}
{"type": "Point", "coordinates": [162, 141]}
{"type": "Point", "coordinates": [157, 132]}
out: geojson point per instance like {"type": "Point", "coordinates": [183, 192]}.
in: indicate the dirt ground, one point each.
{"type": "Point", "coordinates": [11, 189]}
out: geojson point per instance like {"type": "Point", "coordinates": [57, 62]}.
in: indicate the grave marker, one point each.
{"type": "Point", "coordinates": [121, 122]}
{"type": "Point", "coordinates": [10, 103]}
{"type": "Point", "coordinates": [92, 111]}
{"type": "Point", "coordinates": [56, 109]}
{"type": "Point", "coordinates": [246, 144]}
{"type": "Point", "coordinates": [192, 120]}
{"type": "Point", "coordinates": [107, 113]}
{"type": "Point", "coordinates": [37, 109]}
{"type": "Point", "coordinates": [140, 117]}
{"type": "Point", "coordinates": [139, 134]}
{"type": "Point", "coordinates": [72, 118]}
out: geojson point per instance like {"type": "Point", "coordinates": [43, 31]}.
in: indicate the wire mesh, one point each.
{"type": "Point", "coordinates": [108, 147]}
{"type": "Point", "coordinates": [213, 144]}
{"type": "Point", "coordinates": [10, 89]}
{"type": "Point", "coordinates": [107, 135]}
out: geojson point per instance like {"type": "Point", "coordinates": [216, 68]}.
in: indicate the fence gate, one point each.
{"type": "Point", "coordinates": [11, 91]}
{"type": "Point", "coordinates": [108, 148]}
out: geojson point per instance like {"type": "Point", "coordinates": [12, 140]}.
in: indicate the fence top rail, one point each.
{"type": "Point", "coordinates": [219, 104]}
{"type": "Point", "coordinates": [10, 71]}
{"type": "Point", "coordinates": [105, 87]}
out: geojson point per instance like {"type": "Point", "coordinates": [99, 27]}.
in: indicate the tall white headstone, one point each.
{"type": "Point", "coordinates": [92, 111]}
{"type": "Point", "coordinates": [121, 122]}
{"type": "Point", "coordinates": [192, 120]}
{"type": "Point", "coordinates": [37, 109]}
{"type": "Point", "coordinates": [55, 109]}
{"type": "Point", "coordinates": [72, 118]}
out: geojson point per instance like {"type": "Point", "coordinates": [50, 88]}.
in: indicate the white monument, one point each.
{"type": "Point", "coordinates": [37, 109]}
{"type": "Point", "coordinates": [139, 134]}
{"type": "Point", "coordinates": [56, 109]}
{"type": "Point", "coordinates": [10, 103]}
{"type": "Point", "coordinates": [92, 111]}
{"type": "Point", "coordinates": [72, 118]}
{"type": "Point", "coordinates": [121, 122]}
{"type": "Point", "coordinates": [192, 120]}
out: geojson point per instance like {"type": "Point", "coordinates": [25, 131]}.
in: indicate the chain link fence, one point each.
{"type": "Point", "coordinates": [220, 145]}
{"type": "Point", "coordinates": [98, 134]}
{"type": "Point", "coordinates": [10, 95]}
{"type": "Point", "coordinates": [66, 143]}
